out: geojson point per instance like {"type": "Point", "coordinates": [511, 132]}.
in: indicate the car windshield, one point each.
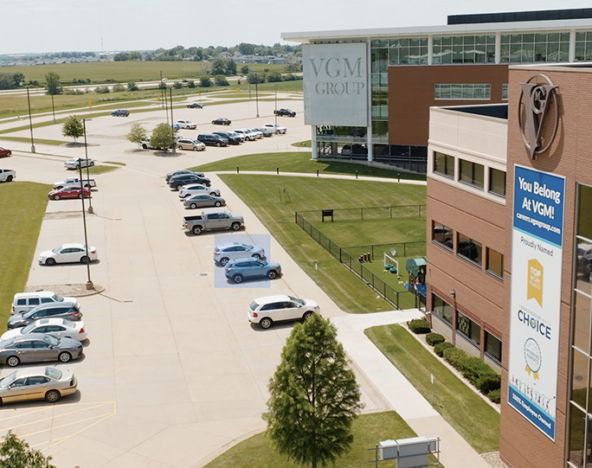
{"type": "Point", "coordinates": [69, 324]}
{"type": "Point", "coordinates": [57, 298]}
{"type": "Point", "coordinates": [57, 249]}
{"type": "Point", "coordinates": [254, 305]}
{"type": "Point", "coordinates": [51, 340]}
{"type": "Point", "coordinates": [296, 300]}
{"type": "Point", "coordinates": [53, 373]}
{"type": "Point", "coordinates": [6, 381]}
{"type": "Point", "coordinates": [27, 329]}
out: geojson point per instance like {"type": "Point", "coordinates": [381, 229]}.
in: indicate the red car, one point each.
{"type": "Point", "coordinates": [5, 152]}
{"type": "Point", "coordinates": [68, 192]}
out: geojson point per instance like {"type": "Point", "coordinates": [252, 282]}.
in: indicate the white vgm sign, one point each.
{"type": "Point", "coordinates": [335, 84]}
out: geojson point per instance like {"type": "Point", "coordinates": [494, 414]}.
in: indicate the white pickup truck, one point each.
{"type": "Point", "coordinates": [87, 183]}
{"type": "Point", "coordinates": [7, 175]}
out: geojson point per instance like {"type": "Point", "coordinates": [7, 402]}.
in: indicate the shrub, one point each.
{"type": "Point", "coordinates": [118, 88]}
{"type": "Point", "coordinates": [102, 90]}
{"type": "Point", "coordinates": [419, 326]}
{"type": "Point", "coordinates": [131, 86]}
{"type": "Point", "coordinates": [455, 357]}
{"type": "Point", "coordinates": [221, 80]}
{"type": "Point", "coordinates": [494, 396]}
{"type": "Point", "coordinates": [434, 338]}
{"type": "Point", "coordinates": [441, 347]}
{"type": "Point", "coordinates": [489, 382]}
{"type": "Point", "coordinates": [473, 368]}
{"type": "Point", "coordinates": [191, 84]}
{"type": "Point", "coordinates": [205, 82]}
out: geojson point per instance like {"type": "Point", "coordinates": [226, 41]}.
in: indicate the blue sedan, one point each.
{"type": "Point", "coordinates": [244, 268]}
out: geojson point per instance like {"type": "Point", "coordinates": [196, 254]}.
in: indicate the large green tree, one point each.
{"type": "Point", "coordinates": [314, 396]}
{"type": "Point", "coordinates": [163, 136]}
{"type": "Point", "coordinates": [137, 134]}
{"type": "Point", "coordinates": [16, 453]}
{"type": "Point", "coordinates": [52, 84]}
{"type": "Point", "coordinates": [72, 127]}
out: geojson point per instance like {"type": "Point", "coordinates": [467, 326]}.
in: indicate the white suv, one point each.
{"type": "Point", "coordinates": [267, 310]}
{"type": "Point", "coordinates": [197, 189]}
{"type": "Point", "coordinates": [23, 302]}
{"type": "Point", "coordinates": [186, 124]}
{"type": "Point", "coordinates": [75, 163]}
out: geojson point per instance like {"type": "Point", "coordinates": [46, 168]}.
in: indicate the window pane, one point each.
{"type": "Point", "coordinates": [444, 164]}
{"type": "Point", "coordinates": [468, 248]}
{"type": "Point", "coordinates": [495, 263]}
{"type": "Point", "coordinates": [497, 181]}
{"type": "Point", "coordinates": [581, 325]}
{"type": "Point", "coordinates": [585, 208]}
{"type": "Point", "coordinates": [478, 178]}
{"type": "Point", "coordinates": [576, 436]}
{"type": "Point", "coordinates": [466, 171]}
{"type": "Point", "coordinates": [493, 347]}
{"type": "Point", "coordinates": [442, 309]}
{"type": "Point", "coordinates": [580, 377]}
{"type": "Point", "coordinates": [441, 234]}
{"type": "Point", "coordinates": [583, 266]}
{"type": "Point", "coordinates": [468, 328]}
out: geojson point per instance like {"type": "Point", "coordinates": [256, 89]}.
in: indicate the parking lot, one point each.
{"type": "Point", "coordinates": [173, 372]}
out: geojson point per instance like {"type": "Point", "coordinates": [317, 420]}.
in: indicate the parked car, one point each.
{"type": "Point", "coordinates": [191, 145]}
{"type": "Point", "coordinates": [57, 327]}
{"type": "Point", "coordinates": [68, 253]}
{"type": "Point", "coordinates": [211, 220]}
{"type": "Point", "coordinates": [267, 310]}
{"type": "Point", "coordinates": [248, 268]}
{"type": "Point", "coordinates": [182, 171]}
{"type": "Point", "coordinates": [183, 179]}
{"type": "Point", "coordinates": [231, 137]}
{"type": "Point", "coordinates": [212, 140]}
{"type": "Point", "coordinates": [254, 131]}
{"type": "Point", "coordinates": [221, 121]}
{"type": "Point", "coordinates": [285, 113]}
{"type": "Point", "coordinates": [203, 200]}
{"type": "Point", "coordinates": [350, 150]}
{"type": "Point", "coordinates": [195, 105]}
{"type": "Point", "coordinates": [38, 347]}
{"type": "Point", "coordinates": [186, 124]}
{"type": "Point", "coordinates": [276, 128]}
{"type": "Point", "coordinates": [37, 383]}
{"type": "Point", "coordinates": [67, 310]}
{"type": "Point", "coordinates": [197, 189]}
{"type": "Point", "coordinates": [5, 152]}
{"type": "Point", "coordinates": [120, 113]}
{"type": "Point", "coordinates": [88, 183]}
{"type": "Point", "coordinates": [223, 253]}
{"type": "Point", "coordinates": [266, 132]}
{"type": "Point", "coordinates": [243, 132]}
{"type": "Point", "coordinates": [145, 144]}
{"type": "Point", "coordinates": [25, 301]}
{"type": "Point", "coordinates": [76, 163]}
{"type": "Point", "coordinates": [240, 135]}
{"type": "Point", "coordinates": [68, 192]}
{"type": "Point", "coordinates": [7, 175]}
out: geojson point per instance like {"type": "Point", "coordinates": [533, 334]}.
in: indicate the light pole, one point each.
{"type": "Point", "coordinates": [53, 109]}
{"type": "Point", "coordinates": [257, 93]}
{"type": "Point", "coordinates": [90, 208]}
{"type": "Point", "coordinates": [275, 112]}
{"type": "Point", "coordinates": [89, 283]}
{"type": "Point", "coordinates": [30, 121]}
{"type": "Point", "coordinates": [172, 122]}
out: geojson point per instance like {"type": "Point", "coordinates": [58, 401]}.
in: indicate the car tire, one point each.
{"type": "Point", "coordinates": [218, 144]}
{"type": "Point", "coordinates": [13, 361]}
{"type": "Point", "coordinates": [237, 279]}
{"type": "Point", "coordinates": [64, 357]}
{"type": "Point", "coordinates": [197, 230]}
{"type": "Point", "coordinates": [50, 261]}
{"type": "Point", "coordinates": [79, 196]}
{"type": "Point", "coordinates": [9, 178]}
{"type": "Point", "coordinates": [144, 146]}
{"type": "Point", "coordinates": [178, 187]}
{"type": "Point", "coordinates": [85, 260]}
{"type": "Point", "coordinates": [193, 206]}
{"type": "Point", "coordinates": [195, 148]}
{"type": "Point", "coordinates": [306, 316]}
{"type": "Point", "coordinates": [92, 164]}
{"type": "Point", "coordinates": [266, 323]}
{"type": "Point", "coordinates": [235, 226]}
{"type": "Point", "coordinates": [257, 256]}
{"type": "Point", "coordinates": [223, 261]}
{"type": "Point", "coordinates": [217, 204]}
{"type": "Point", "coordinates": [272, 274]}
{"type": "Point", "coordinates": [56, 197]}
{"type": "Point", "coordinates": [53, 396]}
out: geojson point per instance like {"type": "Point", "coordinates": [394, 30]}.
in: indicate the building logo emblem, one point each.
{"type": "Point", "coordinates": [538, 103]}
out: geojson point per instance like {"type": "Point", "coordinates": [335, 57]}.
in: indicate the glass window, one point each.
{"type": "Point", "coordinates": [460, 91]}
{"type": "Point", "coordinates": [441, 309]}
{"type": "Point", "coordinates": [493, 347]}
{"type": "Point", "coordinates": [580, 377]}
{"type": "Point", "coordinates": [497, 182]}
{"type": "Point", "coordinates": [444, 164]}
{"type": "Point", "coordinates": [442, 234]}
{"type": "Point", "coordinates": [505, 88]}
{"type": "Point", "coordinates": [585, 208]}
{"type": "Point", "coordinates": [468, 248]}
{"type": "Point", "coordinates": [581, 322]}
{"type": "Point", "coordinates": [576, 436]}
{"type": "Point", "coordinates": [471, 173]}
{"type": "Point", "coordinates": [495, 263]}
{"type": "Point", "coordinates": [408, 51]}
{"type": "Point", "coordinates": [468, 328]}
{"type": "Point", "coordinates": [464, 49]}
{"type": "Point", "coordinates": [540, 47]}
{"type": "Point", "coordinates": [583, 46]}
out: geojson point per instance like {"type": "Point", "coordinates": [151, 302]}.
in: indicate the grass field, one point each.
{"type": "Point", "coordinates": [300, 161]}
{"type": "Point", "coordinates": [268, 197]}
{"type": "Point", "coordinates": [22, 205]}
{"type": "Point", "coordinates": [476, 421]}
{"type": "Point", "coordinates": [368, 430]}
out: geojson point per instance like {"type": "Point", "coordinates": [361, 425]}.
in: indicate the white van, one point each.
{"type": "Point", "coordinates": [23, 302]}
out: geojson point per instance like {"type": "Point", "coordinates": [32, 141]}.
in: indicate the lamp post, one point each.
{"type": "Point", "coordinates": [275, 112]}
{"type": "Point", "coordinates": [53, 109]}
{"type": "Point", "coordinates": [90, 208]}
{"type": "Point", "coordinates": [257, 93]}
{"type": "Point", "coordinates": [89, 283]}
{"type": "Point", "coordinates": [30, 121]}
{"type": "Point", "coordinates": [172, 122]}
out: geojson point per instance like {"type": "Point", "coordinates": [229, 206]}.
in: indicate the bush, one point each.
{"type": "Point", "coordinates": [102, 90]}
{"type": "Point", "coordinates": [131, 86]}
{"type": "Point", "coordinates": [205, 82]}
{"type": "Point", "coordinates": [191, 84]}
{"type": "Point", "coordinates": [455, 357]}
{"type": "Point", "coordinates": [118, 88]}
{"type": "Point", "coordinates": [221, 80]}
{"type": "Point", "coordinates": [419, 326]}
{"type": "Point", "coordinates": [473, 368]}
{"type": "Point", "coordinates": [494, 396]}
{"type": "Point", "coordinates": [441, 347]}
{"type": "Point", "coordinates": [489, 382]}
{"type": "Point", "coordinates": [434, 338]}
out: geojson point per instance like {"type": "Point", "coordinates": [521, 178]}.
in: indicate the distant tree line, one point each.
{"type": "Point", "coordinates": [11, 80]}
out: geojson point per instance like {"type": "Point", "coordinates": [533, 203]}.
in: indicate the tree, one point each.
{"type": "Point", "coordinates": [205, 82]}
{"type": "Point", "coordinates": [220, 80]}
{"type": "Point", "coordinates": [244, 70]}
{"type": "Point", "coordinates": [52, 84]}
{"type": "Point", "coordinates": [229, 67]}
{"type": "Point", "coordinates": [218, 66]}
{"type": "Point", "coordinates": [137, 133]}
{"type": "Point", "coordinates": [135, 55]}
{"type": "Point", "coordinates": [11, 80]}
{"type": "Point", "coordinates": [163, 136]}
{"type": "Point", "coordinates": [132, 86]}
{"type": "Point", "coordinates": [246, 49]}
{"type": "Point", "coordinates": [314, 396]}
{"type": "Point", "coordinates": [73, 127]}
{"type": "Point", "coordinates": [16, 453]}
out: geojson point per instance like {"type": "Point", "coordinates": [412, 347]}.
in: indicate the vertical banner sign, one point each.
{"type": "Point", "coordinates": [537, 240]}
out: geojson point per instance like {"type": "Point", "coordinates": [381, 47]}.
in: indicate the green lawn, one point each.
{"type": "Point", "coordinates": [368, 430]}
{"type": "Point", "coordinates": [22, 205]}
{"type": "Point", "coordinates": [268, 197]}
{"type": "Point", "coordinates": [101, 169]}
{"type": "Point", "coordinates": [476, 421]}
{"type": "Point", "coordinates": [301, 162]}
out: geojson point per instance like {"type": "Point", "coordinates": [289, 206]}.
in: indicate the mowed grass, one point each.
{"type": "Point", "coordinates": [274, 199]}
{"type": "Point", "coordinates": [368, 430]}
{"type": "Point", "coordinates": [300, 161]}
{"type": "Point", "coordinates": [22, 205]}
{"type": "Point", "coordinates": [476, 421]}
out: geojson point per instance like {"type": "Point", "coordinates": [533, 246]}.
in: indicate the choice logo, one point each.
{"type": "Point", "coordinates": [538, 103]}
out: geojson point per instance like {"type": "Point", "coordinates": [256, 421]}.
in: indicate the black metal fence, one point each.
{"type": "Point", "coordinates": [348, 256]}
{"type": "Point", "coordinates": [373, 212]}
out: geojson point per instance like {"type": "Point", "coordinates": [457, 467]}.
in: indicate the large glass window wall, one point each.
{"type": "Point", "coordinates": [408, 51]}
{"type": "Point", "coordinates": [463, 49]}
{"type": "Point", "coordinates": [539, 47]}
{"type": "Point", "coordinates": [583, 46]}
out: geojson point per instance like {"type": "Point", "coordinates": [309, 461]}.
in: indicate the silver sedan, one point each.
{"type": "Point", "coordinates": [203, 201]}
{"type": "Point", "coordinates": [38, 347]}
{"type": "Point", "coordinates": [38, 383]}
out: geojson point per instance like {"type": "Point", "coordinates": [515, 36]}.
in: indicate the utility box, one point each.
{"type": "Point", "coordinates": [413, 452]}
{"type": "Point", "coordinates": [387, 450]}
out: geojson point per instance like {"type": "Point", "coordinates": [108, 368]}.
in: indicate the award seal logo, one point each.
{"type": "Point", "coordinates": [533, 357]}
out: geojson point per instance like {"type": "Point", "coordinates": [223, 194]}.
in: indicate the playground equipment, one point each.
{"type": "Point", "coordinates": [390, 264]}
{"type": "Point", "coordinates": [366, 257]}
{"type": "Point", "coordinates": [416, 269]}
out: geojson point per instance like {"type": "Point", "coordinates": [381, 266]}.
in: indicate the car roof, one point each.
{"type": "Point", "coordinates": [66, 246]}
{"type": "Point", "coordinates": [30, 372]}
{"type": "Point", "coordinates": [50, 305]}
{"type": "Point", "coordinates": [29, 337]}
{"type": "Point", "coordinates": [34, 294]}
{"type": "Point", "coordinates": [50, 321]}
{"type": "Point", "coordinates": [231, 244]}
{"type": "Point", "coordinates": [270, 299]}
{"type": "Point", "coordinates": [243, 260]}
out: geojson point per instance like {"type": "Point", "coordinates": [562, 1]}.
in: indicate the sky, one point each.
{"type": "Point", "coordinates": [39, 26]}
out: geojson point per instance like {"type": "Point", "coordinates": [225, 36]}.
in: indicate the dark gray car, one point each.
{"type": "Point", "coordinates": [67, 310]}
{"type": "Point", "coordinates": [38, 347]}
